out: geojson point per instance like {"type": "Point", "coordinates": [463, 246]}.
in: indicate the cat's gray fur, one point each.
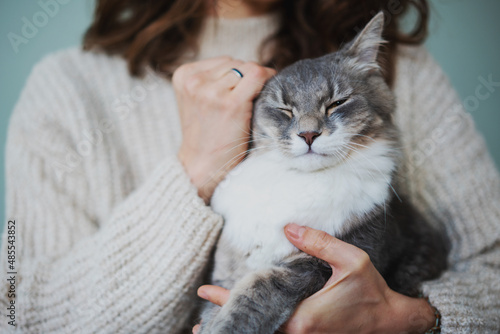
{"type": "Point", "coordinates": [402, 246]}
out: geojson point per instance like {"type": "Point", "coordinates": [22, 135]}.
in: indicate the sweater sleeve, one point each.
{"type": "Point", "coordinates": [453, 180]}
{"type": "Point", "coordinates": [134, 272]}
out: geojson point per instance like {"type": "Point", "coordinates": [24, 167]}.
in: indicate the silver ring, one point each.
{"type": "Point", "coordinates": [237, 72]}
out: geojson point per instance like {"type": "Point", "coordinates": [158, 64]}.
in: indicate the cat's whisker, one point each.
{"type": "Point", "coordinates": [246, 131]}
{"type": "Point", "coordinates": [261, 135]}
{"type": "Point", "coordinates": [360, 135]}
{"type": "Point", "coordinates": [341, 157]}
{"type": "Point", "coordinates": [238, 139]}
{"type": "Point", "coordinates": [394, 149]}
{"type": "Point", "coordinates": [250, 133]}
{"type": "Point", "coordinates": [220, 171]}
{"type": "Point", "coordinates": [253, 134]}
{"type": "Point", "coordinates": [387, 180]}
{"type": "Point", "coordinates": [371, 174]}
{"type": "Point", "coordinates": [240, 154]}
{"type": "Point", "coordinates": [246, 152]}
{"type": "Point", "coordinates": [247, 142]}
{"type": "Point", "coordinates": [360, 145]}
{"type": "Point", "coordinates": [236, 146]}
{"type": "Point", "coordinates": [351, 165]}
{"type": "Point", "coordinates": [349, 162]}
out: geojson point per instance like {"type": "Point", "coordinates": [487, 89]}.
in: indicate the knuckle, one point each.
{"type": "Point", "coordinates": [323, 241]}
{"type": "Point", "coordinates": [361, 261]}
{"type": "Point", "coordinates": [177, 78]}
{"type": "Point", "coordinates": [192, 84]}
{"type": "Point", "coordinates": [211, 96]}
{"type": "Point", "coordinates": [239, 67]}
{"type": "Point", "coordinates": [256, 71]}
{"type": "Point", "coordinates": [180, 72]}
{"type": "Point", "coordinates": [300, 325]}
{"type": "Point", "coordinates": [271, 72]}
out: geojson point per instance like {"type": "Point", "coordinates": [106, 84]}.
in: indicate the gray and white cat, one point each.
{"type": "Point", "coordinates": [324, 154]}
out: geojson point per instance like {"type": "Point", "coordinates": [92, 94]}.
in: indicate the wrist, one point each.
{"type": "Point", "coordinates": [199, 173]}
{"type": "Point", "coordinates": [408, 315]}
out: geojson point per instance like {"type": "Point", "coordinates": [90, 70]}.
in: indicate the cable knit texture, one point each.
{"type": "Point", "coordinates": [112, 237]}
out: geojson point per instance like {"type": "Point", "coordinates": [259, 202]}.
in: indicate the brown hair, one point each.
{"type": "Point", "coordinates": [142, 30]}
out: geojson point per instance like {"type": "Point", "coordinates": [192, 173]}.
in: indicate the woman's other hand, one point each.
{"type": "Point", "coordinates": [356, 299]}
{"type": "Point", "coordinates": [215, 107]}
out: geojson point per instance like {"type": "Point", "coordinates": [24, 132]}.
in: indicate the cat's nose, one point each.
{"type": "Point", "coordinates": [309, 136]}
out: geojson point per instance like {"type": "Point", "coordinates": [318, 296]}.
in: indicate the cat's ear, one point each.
{"type": "Point", "coordinates": [365, 47]}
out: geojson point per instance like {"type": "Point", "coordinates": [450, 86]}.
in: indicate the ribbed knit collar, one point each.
{"type": "Point", "coordinates": [238, 38]}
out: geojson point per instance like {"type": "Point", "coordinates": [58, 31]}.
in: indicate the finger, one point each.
{"type": "Point", "coordinates": [323, 246]}
{"type": "Point", "coordinates": [214, 294]}
{"type": "Point", "coordinates": [190, 69]}
{"type": "Point", "coordinates": [224, 68]}
{"type": "Point", "coordinates": [210, 63]}
{"type": "Point", "coordinates": [254, 78]}
{"type": "Point", "coordinates": [289, 327]}
{"type": "Point", "coordinates": [298, 322]}
{"type": "Point", "coordinates": [196, 329]}
{"type": "Point", "coordinates": [223, 76]}
{"type": "Point", "coordinates": [229, 80]}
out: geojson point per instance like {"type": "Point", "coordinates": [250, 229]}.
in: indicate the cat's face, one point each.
{"type": "Point", "coordinates": [317, 112]}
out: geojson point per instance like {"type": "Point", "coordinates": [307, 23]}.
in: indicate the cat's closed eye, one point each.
{"type": "Point", "coordinates": [330, 109]}
{"type": "Point", "coordinates": [286, 111]}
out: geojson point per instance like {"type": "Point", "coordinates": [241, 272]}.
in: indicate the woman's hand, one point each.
{"type": "Point", "coordinates": [356, 299]}
{"type": "Point", "coordinates": [215, 107]}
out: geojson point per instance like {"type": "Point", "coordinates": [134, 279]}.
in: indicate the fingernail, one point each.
{"type": "Point", "coordinates": [295, 231]}
{"type": "Point", "coordinates": [202, 294]}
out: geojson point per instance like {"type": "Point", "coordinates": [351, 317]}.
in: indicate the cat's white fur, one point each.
{"type": "Point", "coordinates": [268, 190]}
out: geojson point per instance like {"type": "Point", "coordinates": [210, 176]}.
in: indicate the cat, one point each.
{"type": "Point", "coordinates": [324, 154]}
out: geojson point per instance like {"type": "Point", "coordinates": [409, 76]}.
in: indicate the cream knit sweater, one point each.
{"type": "Point", "coordinates": [111, 236]}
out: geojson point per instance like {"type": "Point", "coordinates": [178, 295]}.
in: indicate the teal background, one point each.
{"type": "Point", "coordinates": [464, 39]}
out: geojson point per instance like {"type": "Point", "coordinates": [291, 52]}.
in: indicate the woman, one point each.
{"type": "Point", "coordinates": [110, 174]}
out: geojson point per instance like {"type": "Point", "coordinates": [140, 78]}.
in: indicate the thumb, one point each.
{"type": "Point", "coordinates": [214, 294]}
{"type": "Point", "coordinates": [320, 244]}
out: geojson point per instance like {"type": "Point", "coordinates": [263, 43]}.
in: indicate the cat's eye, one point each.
{"type": "Point", "coordinates": [334, 105]}
{"type": "Point", "coordinates": [286, 111]}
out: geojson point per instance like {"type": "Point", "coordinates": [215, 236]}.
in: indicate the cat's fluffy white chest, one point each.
{"type": "Point", "coordinates": [260, 196]}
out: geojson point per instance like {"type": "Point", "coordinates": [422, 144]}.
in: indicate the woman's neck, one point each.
{"type": "Point", "coordinates": [238, 9]}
